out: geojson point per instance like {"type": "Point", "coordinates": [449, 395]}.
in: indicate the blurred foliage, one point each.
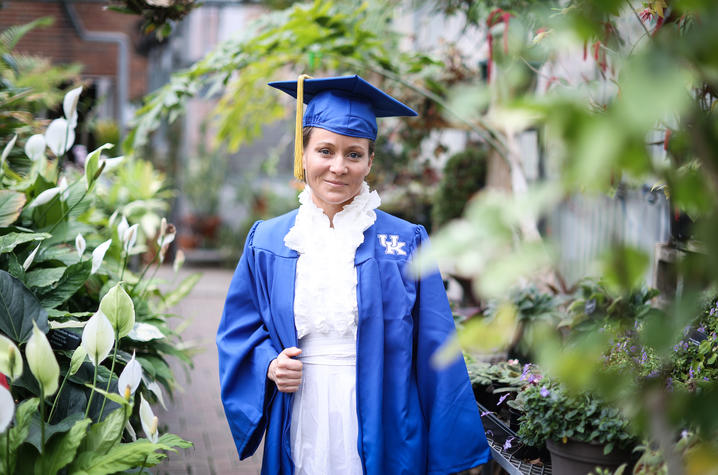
{"type": "Point", "coordinates": [29, 86]}
{"type": "Point", "coordinates": [158, 16]}
{"type": "Point", "coordinates": [464, 175]}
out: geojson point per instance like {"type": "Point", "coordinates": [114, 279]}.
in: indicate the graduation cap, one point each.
{"type": "Point", "coordinates": [346, 105]}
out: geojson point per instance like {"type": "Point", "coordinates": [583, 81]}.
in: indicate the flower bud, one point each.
{"type": "Point", "coordinates": [10, 359]}
{"type": "Point", "coordinates": [42, 362]}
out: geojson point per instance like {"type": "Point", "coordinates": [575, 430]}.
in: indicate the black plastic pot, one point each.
{"type": "Point", "coordinates": [580, 458]}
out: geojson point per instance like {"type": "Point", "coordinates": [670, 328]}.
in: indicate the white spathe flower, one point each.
{"type": "Point", "coordinates": [69, 105]}
{"type": "Point", "coordinates": [98, 337]}
{"type": "Point", "coordinates": [111, 163]}
{"type": "Point", "coordinates": [113, 217]}
{"type": "Point", "coordinates": [6, 151]}
{"type": "Point", "coordinates": [160, 3]}
{"type": "Point", "coordinates": [99, 254]}
{"type": "Point", "coordinates": [60, 136]}
{"type": "Point", "coordinates": [35, 147]}
{"type": "Point", "coordinates": [42, 362]}
{"type": "Point", "coordinates": [80, 245]}
{"type": "Point", "coordinates": [45, 197]}
{"type": "Point", "coordinates": [10, 358]}
{"type": "Point", "coordinates": [130, 237]}
{"type": "Point", "coordinates": [157, 391]}
{"type": "Point", "coordinates": [119, 309]}
{"type": "Point", "coordinates": [28, 262]}
{"type": "Point", "coordinates": [149, 420]}
{"type": "Point", "coordinates": [62, 184]}
{"type": "Point", "coordinates": [7, 408]}
{"type": "Point", "coordinates": [179, 260]}
{"type": "Point", "coordinates": [130, 378]}
{"type": "Point", "coordinates": [122, 228]}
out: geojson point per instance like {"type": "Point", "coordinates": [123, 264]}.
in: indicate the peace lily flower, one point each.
{"type": "Point", "coordinates": [122, 228]}
{"type": "Point", "coordinates": [111, 163]}
{"type": "Point", "coordinates": [45, 197]}
{"type": "Point", "coordinates": [80, 244]}
{"type": "Point", "coordinates": [6, 151]}
{"type": "Point", "coordinates": [119, 309]}
{"type": "Point", "coordinates": [149, 420]}
{"type": "Point", "coordinates": [69, 105]}
{"type": "Point", "coordinates": [113, 217]}
{"type": "Point", "coordinates": [35, 147]}
{"type": "Point", "coordinates": [167, 235]}
{"type": "Point", "coordinates": [130, 378]}
{"type": "Point", "coordinates": [99, 254]}
{"type": "Point", "coordinates": [60, 135]}
{"type": "Point", "coordinates": [179, 260]}
{"type": "Point", "coordinates": [130, 237]}
{"type": "Point", "coordinates": [10, 358]}
{"type": "Point", "coordinates": [42, 362]}
{"type": "Point", "coordinates": [28, 261]}
{"type": "Point", "coordinates": [98, 337]}
{"type": "Point", "coordinates": [7, 408]}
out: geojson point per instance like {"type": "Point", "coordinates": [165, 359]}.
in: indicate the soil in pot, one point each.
{"type": "Point", "coordinates": [580, 458]}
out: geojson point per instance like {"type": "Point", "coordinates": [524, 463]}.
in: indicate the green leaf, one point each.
{"type": "Point", "coordinates": [9, 241]}
{"type": "Point", "coordinates": [103, 435]}
{"type": "Point", "coordinates": [50, 430]}
{"type": "Point", "coordinates": [185, 287]}
{"type": "Point", "coordinates": [19, 432]}
{"type": "Point", "coordinates": [44, 277]}
{"type": "Point", "coordinates": [120, 457]}
{"type": "Point", "coordinates": [11, 203]}
{"type": "Point", "coordinates": [61, 451]}
{"type": "Point", "coordinates": [18, 309]}
{"type": "Point", "coordinates": [72, 279]}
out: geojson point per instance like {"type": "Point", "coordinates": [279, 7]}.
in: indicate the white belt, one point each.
{"type": "Point", "coordinates": [328, 350]}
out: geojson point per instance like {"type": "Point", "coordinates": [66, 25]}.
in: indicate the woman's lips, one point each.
{"type": "Point", "coordinates": [334, 183]}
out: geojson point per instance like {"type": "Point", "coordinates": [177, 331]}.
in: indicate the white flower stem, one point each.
{"type": "Point", "coordinates": [124, 264]}
{"type": "Point", "coordinates": [112, 372]}
{"type": "Point", "coordinates": [144, 271]}
{"type": "Point", "coordinates": [92, 393]}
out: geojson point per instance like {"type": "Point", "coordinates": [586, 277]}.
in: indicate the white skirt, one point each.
{"type": "Point", "coordinates": [324, 429]}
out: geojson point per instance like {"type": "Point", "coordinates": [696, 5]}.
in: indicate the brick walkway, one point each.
{"type": "Point", "coordinates": [196, 414]}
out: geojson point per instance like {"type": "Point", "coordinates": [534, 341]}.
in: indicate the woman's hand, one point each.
{"type": "Point", "coordinates": [285, 371]}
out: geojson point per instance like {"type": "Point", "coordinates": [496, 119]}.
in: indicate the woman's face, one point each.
{"type": "Point", "coordinates": [335, 167]}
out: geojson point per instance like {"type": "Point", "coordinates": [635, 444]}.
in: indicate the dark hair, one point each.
{"type": "Point", "coordinates": [307, 133]}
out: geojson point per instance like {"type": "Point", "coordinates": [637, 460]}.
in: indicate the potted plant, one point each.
{"type": "Point", "coordinates": [580, 431]}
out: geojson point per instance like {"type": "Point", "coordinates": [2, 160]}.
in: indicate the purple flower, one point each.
{"type": "Point", "coordinates": [634, 348]}
{"type": "Point", "coordinates": [502, 398]}
{"type": "Point", "coordinates": [644, 357]}
{"type": "Point", "coordinates": [691, 373]}
{"type": "Point", "coordinates": [486, 413]}
{"type": "Point", "coordinates": [702, 329]}
{"type": "Point", "coordinates": [544, 392]}
{"type": "Point", "coordinates": [507, 444]}
{"type": "Point", "coordinates": [685, 434]}
{"type": "Point", "coordinates": [534, 378]}
{"type": "Point", "coordinates": [525, 372]}
{"type": "Point", "coordinates": [653, 373]}
{"type": "Point", "coordinates": [705, 378]}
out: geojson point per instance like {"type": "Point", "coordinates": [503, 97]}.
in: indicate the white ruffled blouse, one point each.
{"type": "Point", "coordinates": [325, 299]}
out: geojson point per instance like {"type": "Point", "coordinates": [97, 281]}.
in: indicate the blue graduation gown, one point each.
{"type": "Point", "coordinates": [413, 419]}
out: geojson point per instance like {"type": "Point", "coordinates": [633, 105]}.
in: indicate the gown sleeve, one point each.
{"type": "Point", "coordinates": [245, 352]}
{"type": "Point", "coordinates": [456, 439]}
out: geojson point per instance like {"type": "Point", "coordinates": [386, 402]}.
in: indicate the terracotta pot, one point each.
{"type": "Point", "coordinates": [580, 458]}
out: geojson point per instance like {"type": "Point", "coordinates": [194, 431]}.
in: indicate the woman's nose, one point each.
{"type": "Point", "coordinates": [338, 166]}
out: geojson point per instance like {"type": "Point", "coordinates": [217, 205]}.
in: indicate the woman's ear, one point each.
{"type": "Point", "coordinates": [371, 161]}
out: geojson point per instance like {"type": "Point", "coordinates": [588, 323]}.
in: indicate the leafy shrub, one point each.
{"type": "Point", "coordinates": [551, 413]}
{"type": "Point", "coordinates": [108, 326]}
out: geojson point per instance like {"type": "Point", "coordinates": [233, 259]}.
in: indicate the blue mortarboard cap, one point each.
{"type": "Point", "coordinates": [346, 105]}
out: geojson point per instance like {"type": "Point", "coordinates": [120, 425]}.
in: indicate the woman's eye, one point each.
{"type": "Point", "coordinates": [355, 155]}
{"type": "Point", "coordinates": [325, 151]}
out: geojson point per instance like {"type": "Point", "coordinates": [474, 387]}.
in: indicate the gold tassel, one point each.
{"type": "Point", "coordinates": [298, 145]}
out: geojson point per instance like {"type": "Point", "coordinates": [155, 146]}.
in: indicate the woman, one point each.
{"type": "Point", "coordinates": [326, 339]}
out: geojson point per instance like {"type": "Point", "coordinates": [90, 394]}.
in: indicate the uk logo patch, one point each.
{"type": "Point", "coordinates": [392, 246]}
